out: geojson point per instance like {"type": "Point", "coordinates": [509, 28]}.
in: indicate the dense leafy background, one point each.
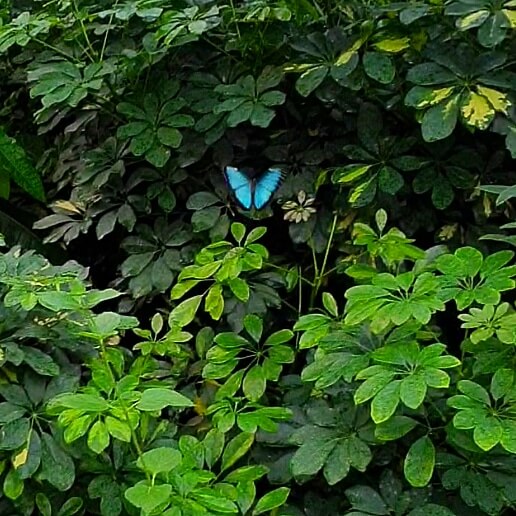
{"type": "Point", "coordinates": [348, 350]}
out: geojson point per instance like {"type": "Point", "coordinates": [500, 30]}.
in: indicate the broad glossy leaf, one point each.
{"type": "Point", "coordinates": [384, 404]}
{"type": "Point", "coordinates": [379, 67]}
{"type": "Point", "coordinates": [271, 500]}
{"type": "Point", "coordinates": [419, 462]}
{"type": "Point", "coordinates": [157, 398]}
{"type": "Point", "coordinates": [236, 449]}
{"type": "Point", "coordinates": [254, 383]}
{"type": "Point", "coordinates": [366, 500]}
{"type": "Point", "coordinates": [311, 79]}
{"type": "Point", "coordinates": [440, 120]}
{"type": "Point", "coordinates": [159, 460]}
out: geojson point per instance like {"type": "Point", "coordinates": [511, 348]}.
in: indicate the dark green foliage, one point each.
{"type": "Point", "coordinates": [350, 349]}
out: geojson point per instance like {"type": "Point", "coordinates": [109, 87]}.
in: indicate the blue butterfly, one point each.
{"type": "Point", "coordinates": [255, 192]}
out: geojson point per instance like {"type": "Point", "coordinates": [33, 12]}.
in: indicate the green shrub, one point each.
{"type": "Point", "coordinates": [349, 349]}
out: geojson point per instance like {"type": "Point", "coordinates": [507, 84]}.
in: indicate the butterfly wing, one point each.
{"type": "Point", "coordinates": [241, 186]}
{"type": "Point", "coordinates": [265, 187]}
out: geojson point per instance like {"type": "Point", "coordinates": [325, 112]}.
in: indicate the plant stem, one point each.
{"type": "Point", "coordinates": [319, 275]}
{"type": "Point", "coordinates": [104, 42]}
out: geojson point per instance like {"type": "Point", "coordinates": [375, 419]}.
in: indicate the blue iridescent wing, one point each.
{"type": "Point", "coordinates": [240, 185]}
{"type": "Point", "coordinates": [265, 187]}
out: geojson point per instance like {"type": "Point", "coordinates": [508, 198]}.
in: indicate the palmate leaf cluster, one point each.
{"type": "Point", "coordinates": [349, 349]}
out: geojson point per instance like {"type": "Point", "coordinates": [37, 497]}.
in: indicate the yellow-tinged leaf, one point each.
{"type": "Point", "coordinates": [511, 16]}
{"type": "Point", "coordinates": [346, 222]}
{"type": "Point", "coordinates": [199, 406]}
{"type": "Point", "coordinates": [392, 44]}
{"type": "Point", "coordinates": [477, 111]}
{"type": "Point", "coordinates": [435, 97]}
{"type": "Point", "coordinates": [472, 20]}
{"type": "Point", "coordinates": [418, 40]}
{"type": "Point", "coordinates": [68, 206]}
{"type": "Point", "coordinates": [486, 204]}
{"type": "Point", "coordinates": [20, 458]}
{"type": "Point", "coordinates": [448, 231]}
{"type": "Point", "coordinates": [345, 57]}
{"type": "Point", "coordinates": [298, 67]}
{"type": "Point", "coordinates": [496, 98]}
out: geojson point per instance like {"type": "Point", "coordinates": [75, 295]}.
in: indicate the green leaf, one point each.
{"type": "Point", "coordinates": [214, 303]}
{"type": "Point", "coordinates": [56, 465]}
{"type": "Point", "coordinates": [43, 505]}
{"type": "Point", "coordinates": [419, 462]}
{"type": "Point", "coordinates": [240, 114]}
{"type": "Point", "coordinates": [338, 463]}
{"type": "Point", "coordinates": [15, 162]}
{"type": "Point", "coordinates": [200, 200]}
{"type": "Point", "coordinates": [236, 449]}
{"type": "Point", "coordinates": [474, 391]}
{"type": "Point", "coordinates": [86, 402]}
{"type": "Point", "coordinates": [254, 326]}
{"type": "Point", "coordinates": [157, 398]}
{"type": "Point", "coordinates": [372, 386]}
{"type": "Point", "coordinates": [330, 304]}
{"type": "Point", "coordinates": [271, 500]}
{"type": "Point", "coordinates": [71, 506]}
{"type": "Point", "coordinates": [13, 485]}
{"type": "Point", "coordinates": [390, 180]}
{"type": "Point", "coordinates": [493, 30]}
{"type": "Point", "coordinates": [238, 231]}
{"type": "Point", "coordinates": [502, 382]}
{"type": "Point", "coordinates": [98, 437]}
{"type": "Point", "coordinates": [508, 439]}
{"type": "Point", "coordinates": [118, 429]}
{"type": "Point", "coordinates": [254, 383]}
{"type": "Point", "coordinates": [240, 288]}
{"type": "Point", "coordinates": [262, 116]}
{"type": "Point", "coordinates": [311, 79]}
{"type": "Point", "coordinates": [487, 433]}
{"type": "Point", "coordinates": [440, 120]}
{"type": "Point", "coordinates": [184, 313]}
{"type": "Point", "coordinates": [394, 428]}
{"type": "Point", "coordinates": [311, 456]}
{"type": "Point", "coordinates": [40, 362]}
{"type": "Point", "coordinates": [279, 337]}
{"type": "Point", "coordinates": [148, 498]}
{"type": "Point", "coordinates": [77, 428]}
{"type": "Point", "coordinates": [384, 404]}
{"type": "Point", "coordinates": [366, 500]}
{"type": "Point", "coordinates": [205, 219]}
{"type": "Point", "coordinates": [246, 474]}
{"type": "Point", "coordinates": [379, 67]}
{"type": "Point", "coordinates": [413, 390]}
{"type": "Point", "coordinates": [159, 460]}
{"type": "Point", "coordinates": [254, 235]}
{"type": "Point", "coordinates": [213, 446]}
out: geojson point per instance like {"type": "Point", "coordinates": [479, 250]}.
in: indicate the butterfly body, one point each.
{"type": "Point", "coordinates": [253, 192]}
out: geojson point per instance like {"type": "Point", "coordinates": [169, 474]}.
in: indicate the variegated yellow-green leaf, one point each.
{"type": "Point", "coordinates": [295, 67]}
{"type": "Point", "coordinates": [349, 173]}
{"type": "Point", "coordinates": [421, 97]}
{"type": "Point", "coordinates": [476, 111]}
{"type": "Point", "coordinates": [363, 193]}
{"type": "Point", "coordinates": [21, 458]}
{"type": "Point", "coordinates": [440, 120]}
{"type": "Point", "coordinates": [511, 17]}
{"type": "Point", "coordinates": [392, 45]}
{"type": "Point", "coordinates": [345, 57]}
{"type": "Point", "coordinates": [472, 20]}
{"type": "Point", "coordinates": [496, 98]}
